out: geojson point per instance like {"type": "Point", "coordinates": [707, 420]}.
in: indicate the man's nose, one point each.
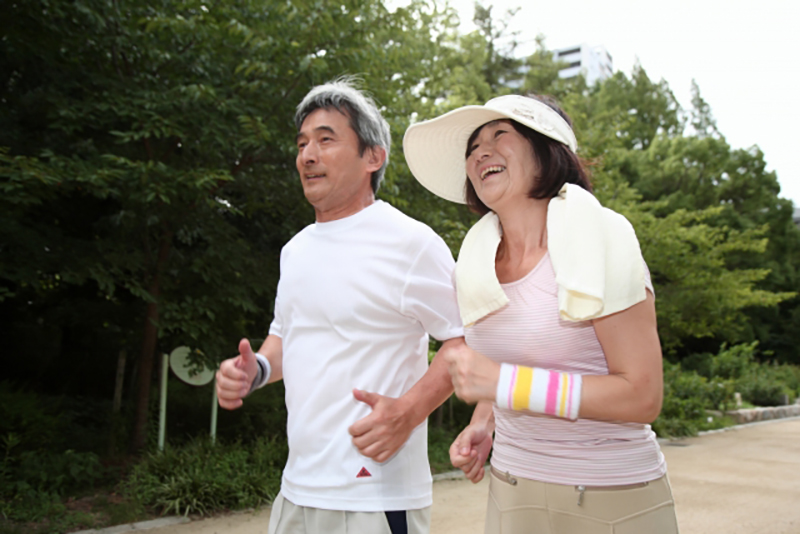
{"type": "Point", "coordinates": [309, 154]}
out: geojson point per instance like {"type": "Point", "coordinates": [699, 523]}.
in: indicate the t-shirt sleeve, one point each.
{"type": "Point", "coordinates": [429, 294]}
{"type": "Point", "coordinates": [648, 281]}
{"type": "Point", "coordinates": [275, 327]}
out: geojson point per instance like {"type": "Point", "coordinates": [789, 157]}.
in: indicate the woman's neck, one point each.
{"type": "Point", "coordinates": [524, 240]}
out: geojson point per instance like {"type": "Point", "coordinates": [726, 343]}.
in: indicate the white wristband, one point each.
{"type": "Point", "coordinates": [265, 370]}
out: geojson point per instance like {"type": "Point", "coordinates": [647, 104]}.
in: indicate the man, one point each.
{"type": "Point", "coordinates": [359, 292]}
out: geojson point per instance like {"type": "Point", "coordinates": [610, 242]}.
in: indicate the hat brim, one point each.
{"type": "Point", "coordinates": [435, 150]}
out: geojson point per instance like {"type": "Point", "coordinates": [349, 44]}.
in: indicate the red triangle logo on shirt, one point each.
{"type": "Point", "coordinates": [363, 473]}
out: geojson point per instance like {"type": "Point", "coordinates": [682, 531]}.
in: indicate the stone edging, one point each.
{"type": "Point", "coordinates": [739, 427]}
{"type": "Point", "coordinates": [458, 474]}
{"type": "Point", "coordinates": [753, 415]}
{"type": "Point", "coordinates": [764, 415]}
{"type": "Point", "coordinates": [141, 525]}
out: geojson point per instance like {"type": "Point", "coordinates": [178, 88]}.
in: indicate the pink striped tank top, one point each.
{"type": "Point", "coordinates": [529, 331]}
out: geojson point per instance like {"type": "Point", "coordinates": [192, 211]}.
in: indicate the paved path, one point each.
{"type": "Point", "coordinates": [743, 481]}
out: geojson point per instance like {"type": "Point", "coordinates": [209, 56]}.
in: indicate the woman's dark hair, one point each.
{"type": "Point", "coordinates": [558, 165]}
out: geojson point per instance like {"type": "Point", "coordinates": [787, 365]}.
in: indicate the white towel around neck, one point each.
{"type": "Point", "coordinates": [594, 250]}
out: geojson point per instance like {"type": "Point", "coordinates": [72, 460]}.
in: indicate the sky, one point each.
{"type": "Point", "coordinates": [745, 57]}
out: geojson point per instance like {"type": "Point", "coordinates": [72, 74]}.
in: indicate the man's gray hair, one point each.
{"type": "Point", "coordinates": [365, 119]}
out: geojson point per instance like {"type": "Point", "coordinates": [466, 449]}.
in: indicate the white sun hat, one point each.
{"type": "Point", "coordinates": [435, 149]}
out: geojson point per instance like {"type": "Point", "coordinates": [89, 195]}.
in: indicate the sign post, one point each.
{"type": "Point", "coordinates": [192, 374]}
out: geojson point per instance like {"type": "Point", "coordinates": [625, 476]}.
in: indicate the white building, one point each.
{"type": "Point", "coordinates": [594, 62]}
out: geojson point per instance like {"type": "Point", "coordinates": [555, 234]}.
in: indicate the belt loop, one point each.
{"type": "Point", "coordinates": [504, 476]}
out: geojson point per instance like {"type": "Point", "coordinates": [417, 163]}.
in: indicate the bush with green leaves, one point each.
{"type": "Point", "coordinates": [33, 420]}
{"type": "Point", "coordinates": [60, 473]}
{"type": "Point", "coordinates": [687, 397]}
{"type": "Point", "coordinates": [33, 483]}
{"type": "Point", "coordinates": [760, 383]}
{"type": "Point", "coordinates": [37, 469]}
{"type": "Point", "coordinates": [439, 441]}
{"type": "Point", "coordinates": [20, 502]}
{"type": "Point", "coordinates": [730, 362]}
{"type": "Point", "coordinates": [769, 384]}
{"type": "Point", "coordinates": [202, 478]}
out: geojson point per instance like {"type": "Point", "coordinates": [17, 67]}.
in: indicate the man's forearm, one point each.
{"type": "Point", "coordinates": [272, 350]}
{"type": "Point", "coordinates": [432, 389]}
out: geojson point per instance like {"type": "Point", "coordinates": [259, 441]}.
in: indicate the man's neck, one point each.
{"type": "Point", "coordinates": [340, 212]}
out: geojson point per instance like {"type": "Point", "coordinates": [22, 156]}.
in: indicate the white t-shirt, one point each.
{"type": "Point", "coordinates": [356, 301]}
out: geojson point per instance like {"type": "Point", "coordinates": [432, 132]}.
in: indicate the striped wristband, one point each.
{"type": "Point", "coordinates": [539, 390]}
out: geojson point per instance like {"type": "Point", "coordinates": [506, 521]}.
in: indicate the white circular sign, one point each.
{"type": "Point", "coordinates": [188, 372]}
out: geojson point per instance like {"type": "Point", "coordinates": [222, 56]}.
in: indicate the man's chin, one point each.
{"type": "Point", "coordinates": [315, 198]}
{"type": "Point", "coordinates": [313, 191]}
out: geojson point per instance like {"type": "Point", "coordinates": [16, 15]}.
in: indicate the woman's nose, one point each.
{"type": "Point", "coordinates": [482, 152]}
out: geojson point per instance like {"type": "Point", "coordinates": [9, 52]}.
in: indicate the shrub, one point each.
{"type": "Point", "coordinates": [22, 503]}
{"type": "Point", "coordinates": [687, 397]}
{"type": "Point", "coordinates": [59, 473]}
{"type": "Point", "coordinates": [767, 384]}
{"type": "Point", "coordinates": [35, 421]}
{"type": "Point", "coordinates": [439, 441]}
{"type": "Point", "coordinates": [33, 482]}
{"type": "Point", "coordinates": [733, 362]}
{"type": "Point", "coordinates": [762, 384]}
{"type": "Point", "coordinates": [201, 478]}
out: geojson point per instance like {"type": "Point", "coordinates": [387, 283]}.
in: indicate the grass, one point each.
{"type": "Point", "coordinates": [92, 511]}
{"type": "Point", "coordinates": [107, 507]}
{"type": "Point", "coordinates": [715, 422]}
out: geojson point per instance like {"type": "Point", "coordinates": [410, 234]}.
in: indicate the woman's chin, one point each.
{"type": "Point", "coordinates": [490, 196]}
{"type": "Point", "coordinates": [494, 200]}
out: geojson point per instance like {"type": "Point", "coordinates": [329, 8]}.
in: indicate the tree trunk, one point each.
{"type": "Point", "coordinates": [116, 418]}
{"type": "Point", "coordinates": [119, 382]}
{"type": "Point", "coordinates": [450, 408]}
{"type": "Point", "coordinates": [149, 342]}
{"type": "Point", "coordinates": [438, 415]}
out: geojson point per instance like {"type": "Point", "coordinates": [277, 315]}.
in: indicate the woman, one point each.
{"type": "Point", "coordinates": [563, 355]}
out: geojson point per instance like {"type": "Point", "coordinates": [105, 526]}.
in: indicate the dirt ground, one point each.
{"type": "Point", "coordinates": [743, 481]}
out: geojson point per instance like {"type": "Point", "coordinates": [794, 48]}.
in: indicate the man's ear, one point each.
{"type": "Point", "coordinates": [375, 155]}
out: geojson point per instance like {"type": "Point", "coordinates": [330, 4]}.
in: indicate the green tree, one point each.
{"type": "Point", "coordinates": [669, 184]}
{"type": "Point", "coordinates": [168, 124]}
{"type": "Point", "coordinates": [715, 229]}
{"type": "Point", "coordinates": [702, 120]}
{"type": "Point", "coordinates": [542, 78]}
{"type": "Point", "coordinates": [635, 109]}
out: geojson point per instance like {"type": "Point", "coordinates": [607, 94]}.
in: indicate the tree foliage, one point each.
{"type": "Point", "coordinates": [167, 127]}
{"type": "Point", "coordinates": [147, 176]}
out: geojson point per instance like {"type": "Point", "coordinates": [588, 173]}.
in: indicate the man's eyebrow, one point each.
{"type": "Point", "coordinates": [317, 129]}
